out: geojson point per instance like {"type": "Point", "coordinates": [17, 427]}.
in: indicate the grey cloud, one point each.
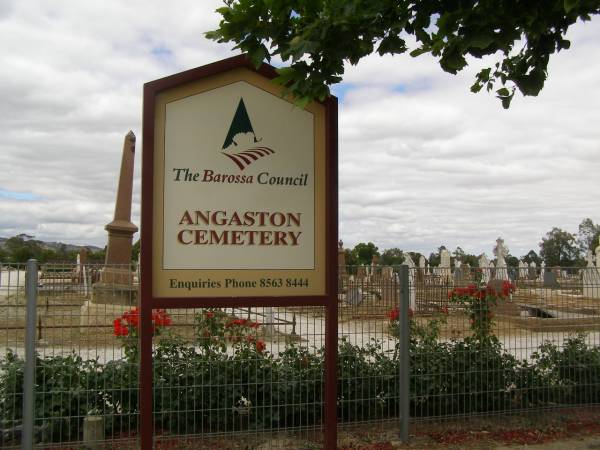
{"type": "Point", "coordinates": [421, 166]}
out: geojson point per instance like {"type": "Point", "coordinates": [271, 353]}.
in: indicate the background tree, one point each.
{"type": "Point", "coordinates": [97, 257]}
{"type": "Point", "coordinates": [532, 256]}
{"type": "Point", "coordinates": [363, 253]}
{"type": "Point", "coordinates": [317, 37]}
{"type": "Point", "coordinates": [458, 253]}
{"type": "Point", "coordinates": [512, 261]}
{"type": "Point", "coordinates": [559, 248]}
{"type": "Point", "coordinates": [415, 256]}
{"type": "Point", "coordinates": [350, 257]}
{"type": "Point", "coordinates": [587, 236]}
{"type": "Point", "coordinates": [135, 250]}
{"type": "Point", "coordinates": [434, 258]}
{"type": "Point", "coordinates": [464, 257]}
{"type": "Point", "coordinates": [392, 257]}
{"type": "Point", "coordinates": [21, 248]}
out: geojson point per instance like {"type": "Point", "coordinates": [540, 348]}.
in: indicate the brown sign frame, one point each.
{"type": "Point", "coordinates": [147, 301]}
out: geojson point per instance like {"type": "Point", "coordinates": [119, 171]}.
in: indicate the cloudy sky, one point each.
{"type": "Point", "coordinates": [423, 162]}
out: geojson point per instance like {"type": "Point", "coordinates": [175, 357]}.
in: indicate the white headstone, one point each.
{"type": "Point", "coordinates": [598, 254]}
{"type": "Point", "coordinates": [408, 261]}
{"type": "Point", "coordinates": [445, 259]}
{"type": "Point", "coordinates": [523, 269]}
{"type": "Point", "coordinates": [354, 295]}
{"type": "Point", "coordinates": [422, 262]}
{"type": "Point", "coordinates": [483, 261]}
{"type": "Point", "coordinates": [542, 270]}
{"type": "Point", "coordinates": [589, 258]}
{"type": "Point", "coordinates": [484, 265]}
{"type": "Point", "coordinates": [444, 267]}
{"type": "Point", "coordinates": [591, 276]}
{"type": "Point", "coordinates": [501, 252]}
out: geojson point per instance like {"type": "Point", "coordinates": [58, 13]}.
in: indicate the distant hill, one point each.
{"type": "Point", "coordinates": [54, 245]}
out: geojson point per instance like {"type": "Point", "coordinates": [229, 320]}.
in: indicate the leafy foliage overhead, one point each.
{"type": "Point", "coordinates": [317, 37]}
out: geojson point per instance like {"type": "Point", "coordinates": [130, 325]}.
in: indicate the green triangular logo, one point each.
{"type": "Point", "coordinates": [240, 124]}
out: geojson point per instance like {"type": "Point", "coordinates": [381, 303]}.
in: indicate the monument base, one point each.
{"type": "Point", "coordinates": [117, 276]}
{"type": "Point", "coordinates": [115, 294]}
{"type": "Point", "coordinates": [108, 302]}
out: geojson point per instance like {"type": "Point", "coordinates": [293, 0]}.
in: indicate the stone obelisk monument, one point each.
{"type": "Point", "coordinates": [117, 268]}
{"type": "Point", "coordinates": [115, 292]}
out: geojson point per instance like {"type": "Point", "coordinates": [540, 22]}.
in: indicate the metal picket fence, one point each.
{"type": "Point", "coordinates": [482, 341]}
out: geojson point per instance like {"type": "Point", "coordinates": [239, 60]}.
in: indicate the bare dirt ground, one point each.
{"type": "Point", "coordinates": [561, 429]}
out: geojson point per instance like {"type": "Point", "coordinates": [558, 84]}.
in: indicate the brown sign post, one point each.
{"type": "Point", "coordinates": [239, 205]}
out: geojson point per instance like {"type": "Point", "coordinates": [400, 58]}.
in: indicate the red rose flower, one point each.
{"type": "Point", "coordinates": [132, 317]}
{"type": "Point", "coordinates": [260, 346]}
{"type": "Point", "coordinates": [119, 328]}
{"type": "Point", "coordinates": [394, 314]}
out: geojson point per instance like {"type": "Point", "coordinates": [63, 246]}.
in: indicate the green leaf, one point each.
{"type": "Point", "coordinates": [285, 75]}
{"type": "Point", "coordinates": [302, 102]}
{"type": "Point", "coordinates": [258, 56]}
{"type": "Point", "coordinates": [476, 87]}
{"type": "Point", "coordinates": [570, 4]}
{"type": "Point", "coordinates": [391, 44]}
{"type": "Point", "coordinates": [503, 92]}
{"type": "Point", "coordinates": [452, 60]}
{"type": "Point", "coordinates": [565, 44]}
{"type": "Point", "coordinates": [419, 51]}
{"type": "Point", "coordinates": [481, 40]}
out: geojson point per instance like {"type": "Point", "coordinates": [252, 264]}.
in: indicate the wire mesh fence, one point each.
{"type": "Point", "coordinates": [482, 341]}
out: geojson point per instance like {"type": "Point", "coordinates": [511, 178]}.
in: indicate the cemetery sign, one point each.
{"type": "Point", "coordinates": [241, 194]}
{"type": "Point", "coordinates": [239, 205]}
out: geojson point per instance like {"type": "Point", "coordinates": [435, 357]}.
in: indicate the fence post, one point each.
{"type": "Point", "coordinates": [404, 356]}
{"type": "Point", "coordinates": [31, 281]}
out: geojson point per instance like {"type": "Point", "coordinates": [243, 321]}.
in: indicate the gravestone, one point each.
{"type": "Point", "coordinates": [354, 295]}
{"type": "Point", "coordinates": [361, 274]}
{"type": "Point", "coordinates": [374, 270]}
{"type": "Point", "coordinates": [389, 288]}
{"type": "Point", "coordinates": [81, 263]}
{"type": "Point", "coordinates": [542, 271]}
{"type": "Point", "coordinates": [444, 267]}
{"type": "Point", "coordinates": [500, 251]}
{"type": "Point", "coordinates": [387, 272]}
{"type": "Point", "coordinates": [591, 278]}
{"type": "Point", "coordinates": [550, 280]}
{"type": "Point", "coordinates": [523, 270]}
{"type": "Point", "coordinates": [484, 265]}
{"type": "Point", "coordinates": [532, 271]}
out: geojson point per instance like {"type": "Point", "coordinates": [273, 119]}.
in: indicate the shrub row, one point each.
{"type": "Point", "coordinates": [209, 388]}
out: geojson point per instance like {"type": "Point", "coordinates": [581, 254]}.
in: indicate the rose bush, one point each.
{"type": "Point", "coordinates": [126, 329]}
